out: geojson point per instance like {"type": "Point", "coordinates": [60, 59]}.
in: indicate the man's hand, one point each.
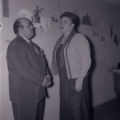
{"type": "Point", "coordinates": [78, 85]}
{"type": "Point", "coordinates": [47, 81]}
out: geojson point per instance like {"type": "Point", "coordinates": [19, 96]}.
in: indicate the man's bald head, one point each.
{"type": "Point", "coordinates": [18, 23]}
{"type": "Point", "coordinates": [24, 27]}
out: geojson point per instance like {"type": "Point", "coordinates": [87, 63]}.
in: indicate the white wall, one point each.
{"type": "Point", "coordinates": [107, 54]}
{"type": "Point", "coordinates": [0, 63]}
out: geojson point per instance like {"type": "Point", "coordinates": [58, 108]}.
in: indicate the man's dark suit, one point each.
{"type": "Point", "coordinates": [26, 74]}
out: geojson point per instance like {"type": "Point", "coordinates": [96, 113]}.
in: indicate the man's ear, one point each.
{"type": "Point", "coordinates": [73, 25]}
{"type": "Point", "coordinates": [20, 30]}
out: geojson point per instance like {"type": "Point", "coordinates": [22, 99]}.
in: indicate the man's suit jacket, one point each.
{"type": "Point", "coordinates": [26, 72]}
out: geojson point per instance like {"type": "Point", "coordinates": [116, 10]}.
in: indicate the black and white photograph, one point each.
{"type": "Point", "coordinates": [59, 59]}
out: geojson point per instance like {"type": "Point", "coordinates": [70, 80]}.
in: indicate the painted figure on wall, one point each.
{"type": "Point", "coordinates": [36, 14]}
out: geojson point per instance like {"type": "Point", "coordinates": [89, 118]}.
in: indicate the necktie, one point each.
{"type": "Point", "coordinates": [33, 46]}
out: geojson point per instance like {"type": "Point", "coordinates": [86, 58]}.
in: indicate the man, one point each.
{"type": "Point", "coordinates": [29, 74]}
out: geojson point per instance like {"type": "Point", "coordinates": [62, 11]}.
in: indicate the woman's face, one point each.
{"type": "Point", "coordinates": [66, 25]}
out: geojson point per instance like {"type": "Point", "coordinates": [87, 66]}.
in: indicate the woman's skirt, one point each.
{"type": "Point", "coordinates": [73, 105]}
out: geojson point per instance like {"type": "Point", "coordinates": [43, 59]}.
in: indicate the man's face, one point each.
{"type": "Point", "coordinates": [27, 30]}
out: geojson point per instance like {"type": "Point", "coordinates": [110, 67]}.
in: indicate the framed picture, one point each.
{"type": "Point", "coordinates": [5, 8]}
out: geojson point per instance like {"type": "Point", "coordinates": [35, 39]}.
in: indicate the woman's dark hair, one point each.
{"type": "Point", "coordinates": [73, 17]}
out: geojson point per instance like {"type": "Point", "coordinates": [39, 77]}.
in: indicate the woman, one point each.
{"type": "Point", "coordinates": [71, 61]}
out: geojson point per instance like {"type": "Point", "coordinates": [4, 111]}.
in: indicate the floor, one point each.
{"type": "Point", "coordinates": [108, 111]}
